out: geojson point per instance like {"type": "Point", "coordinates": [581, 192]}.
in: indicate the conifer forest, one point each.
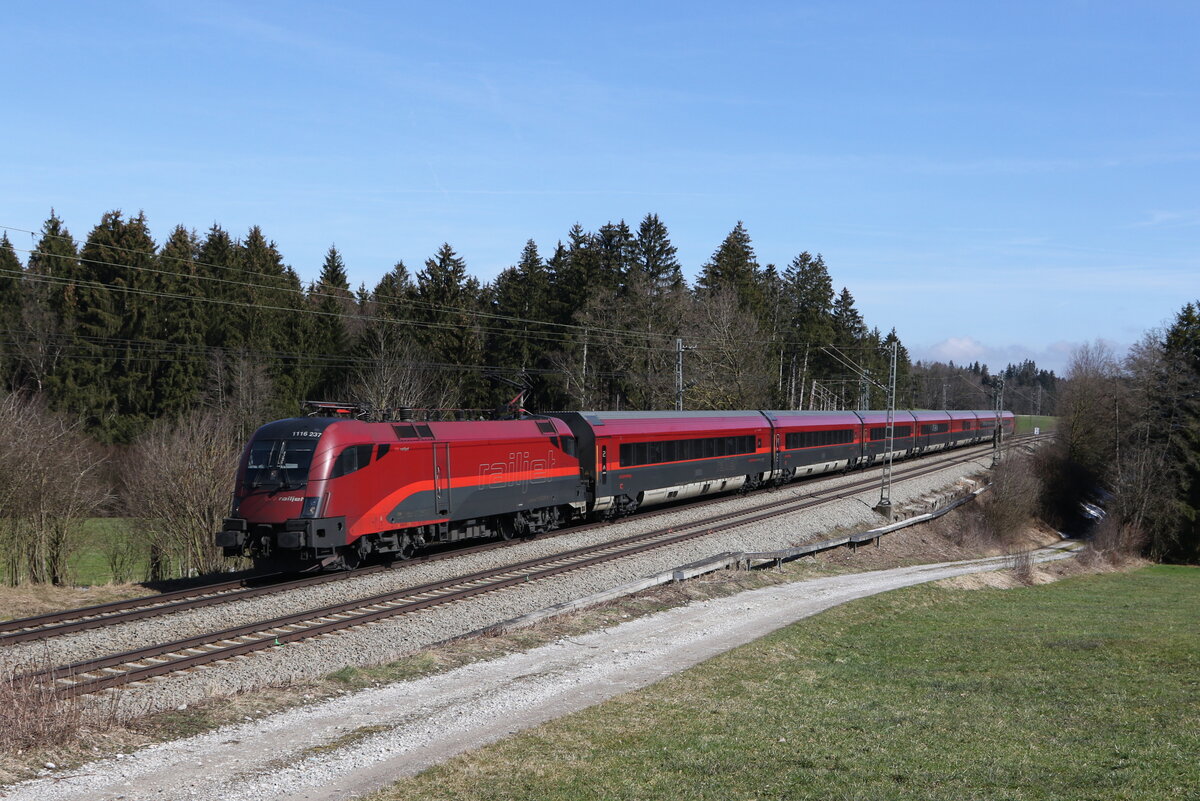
{"type": "Point", "coordinates": [127, 358]}
{"type": "Point", "coordinates": [120, 330]}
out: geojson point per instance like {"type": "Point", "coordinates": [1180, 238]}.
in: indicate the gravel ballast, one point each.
{"type": "Point", "coordinates": [349, 746]}
{"type": "Point", "coordinates": [390, 639]}
{"type": "Point", "coordinates": [393, 638]}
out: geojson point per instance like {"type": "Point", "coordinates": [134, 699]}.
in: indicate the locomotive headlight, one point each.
{"type": "Point", "coordinates": [311, 507]}
{"type": "Point", "coordinates": [234, 504]}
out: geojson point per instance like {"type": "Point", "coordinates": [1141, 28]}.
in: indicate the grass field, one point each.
{"type": "Point", "coordinates": [1027, 422]}
{"type": "Point", "coordinates": [89, 563]}
{"type": "Point", "coordinates": [1083, 689]}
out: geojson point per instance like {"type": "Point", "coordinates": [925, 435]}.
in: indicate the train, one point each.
{"type": "Point", "coordinates": [332, 490]}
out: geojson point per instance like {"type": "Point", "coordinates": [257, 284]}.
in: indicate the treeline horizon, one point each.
{"type": "Point", "coordinates": [120, 331]}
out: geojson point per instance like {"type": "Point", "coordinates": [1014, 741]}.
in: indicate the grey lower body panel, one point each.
{"type": "Point", "coordinates": [469, 503]}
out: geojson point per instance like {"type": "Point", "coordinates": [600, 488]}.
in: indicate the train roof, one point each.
{"type": "Point", "coordinates": [350, 431]}
{"type": "Point", "coordinates": [795, 417]}
{"type": "Point", "coordinates": [900, 416]}
{"type": "Point", "coordinates": [619, 423]}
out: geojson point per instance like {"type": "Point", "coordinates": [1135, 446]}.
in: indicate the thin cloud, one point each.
{"type": "Point", "coordinates": [1183, 218]}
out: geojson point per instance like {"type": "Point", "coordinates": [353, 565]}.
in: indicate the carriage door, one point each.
{"type": "Point", "coordinates": [441, 478]}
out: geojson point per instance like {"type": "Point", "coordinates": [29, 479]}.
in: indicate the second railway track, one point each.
{"type": "Point", "coordinates": [94, 675]}
{"type": "Point", "coordinates": [70, 621]}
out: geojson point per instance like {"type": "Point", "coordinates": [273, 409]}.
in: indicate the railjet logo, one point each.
{"type": "Point", "coordinates": [521, 470]}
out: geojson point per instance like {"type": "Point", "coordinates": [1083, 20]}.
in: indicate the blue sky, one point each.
{"type": "Point", "coordinates": [996, 180]}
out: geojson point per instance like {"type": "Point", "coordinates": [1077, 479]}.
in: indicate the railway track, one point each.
{"type": "Point", "coordinates": [134, 609]}
{"type": "Point", "coordinates": [95, 675]}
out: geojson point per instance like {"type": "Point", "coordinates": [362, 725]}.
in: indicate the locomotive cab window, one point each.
{"type": "Point", "coordinates": [353, 458]}
{"type": "Point", "coordinates": [279, 463]}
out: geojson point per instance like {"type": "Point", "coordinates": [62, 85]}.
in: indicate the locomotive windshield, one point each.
{"type": "Point", "coordinates": [279, 463]}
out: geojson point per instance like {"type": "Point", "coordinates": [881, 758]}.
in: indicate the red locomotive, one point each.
{"type": "Point", "coordinates": [335, 490]}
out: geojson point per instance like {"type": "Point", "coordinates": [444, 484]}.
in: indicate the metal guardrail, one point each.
{"type": "Point", "coordinates": [749, 560]}
{"type": "Point", "coordinates": [722, 561]}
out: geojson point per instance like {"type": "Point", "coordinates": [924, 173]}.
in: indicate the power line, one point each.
{"type": "Point", "coordinates": [308, 294]}
{"type": "Point", "coordinates": [388, 303]}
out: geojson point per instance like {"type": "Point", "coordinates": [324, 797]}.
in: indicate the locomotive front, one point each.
{"type": "Point", "coordinates": [280, 494]}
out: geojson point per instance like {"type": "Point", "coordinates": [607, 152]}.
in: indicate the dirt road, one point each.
{"type": "Point", "coordinates": [349, 746]}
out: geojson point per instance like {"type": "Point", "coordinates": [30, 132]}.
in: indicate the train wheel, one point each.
{"type": "Point", "coordinates": [407, 550]}
{"type": "Point", "coordinates": [355, 555]}
{"type": "Point", "coordinates": [507, 528]}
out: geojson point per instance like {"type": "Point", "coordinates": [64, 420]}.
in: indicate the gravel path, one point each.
{"type": "Point", "coordinates": [391, 639]}
{"type": "Point", "coordinates": [409, 726]}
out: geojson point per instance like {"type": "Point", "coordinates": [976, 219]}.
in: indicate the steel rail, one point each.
{"type": "Point", "coordinates": [129, 610]}
{"type": "Point", "coordinates": [77, 678]}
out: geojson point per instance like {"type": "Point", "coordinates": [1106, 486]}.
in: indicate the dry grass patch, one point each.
{"type": "Point", "coordinates": [28, 600]}
{"type": "Point", "coordinates": [349, 738]}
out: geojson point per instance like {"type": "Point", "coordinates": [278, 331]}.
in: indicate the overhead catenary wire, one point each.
{"type": "Point", "coordinates": [413, 303]}
{"type": "Point", "coordinates": [551, 332]}
{"type": "Point", "coordinates": [605, 334]}
{"type": "Point", "coordinates": [390, 303]}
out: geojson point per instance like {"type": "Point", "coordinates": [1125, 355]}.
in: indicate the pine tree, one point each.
{"type": "Point", "coordinates": [10, 302]}
{"type": "Point", "coordinates": [523, 292]}
{"type": "Point", "coordinates": [447, 302]}
{"type": "Point", "coordinates": [614, 247]}
{"type": "Point", "coordinates": [276, 318]}
{"type": "Point", "coordinates": [733, 265]}
{"type": "Point", "coordinates": [655, 256]}
{"type": "Point", "coordinates": [10, 276]}
{"type": "Point", "coordinates": [849, 328]}
{"type": "Point", "coordinates": [224, 320]}
{"type": "Point", "coordinates": [333, 271]}
{"type": "Point", "coordinates": [180, 324]}
{"type": "Point", "coordinates": [394, 294]}
{"type": "Point", "coordinates": [48, 311]}
{"type": "Point", "coordinates": [55, 261]}
{"type": "Point", "coordinates": [1181, 348]}
{"type": "Point", "coordinates": [808, 299]}
{"type": "Point", "coordinates": [334, 304]}
{"type": "Point", "coordinates": [578, 275]}
{"type": "Point", "coordinates": [905, 386]}
{"type": "Point", "coordinates": [103, 378]}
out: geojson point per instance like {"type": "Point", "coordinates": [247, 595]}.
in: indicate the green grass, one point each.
{"type": "Point", "coordinates": [89, 563]}
{"type": "Point", "coordinates": [1084, 689]}
{"type": "Point", "coordinates": [1027, 422]}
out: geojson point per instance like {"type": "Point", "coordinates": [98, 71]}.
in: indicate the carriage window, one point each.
{"type": "Point", "coordinates": [815, 439]}
{"type": "Point", "coordinates": [898, 432]}
{"type": "Point", "coordinates": [634, 454]}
